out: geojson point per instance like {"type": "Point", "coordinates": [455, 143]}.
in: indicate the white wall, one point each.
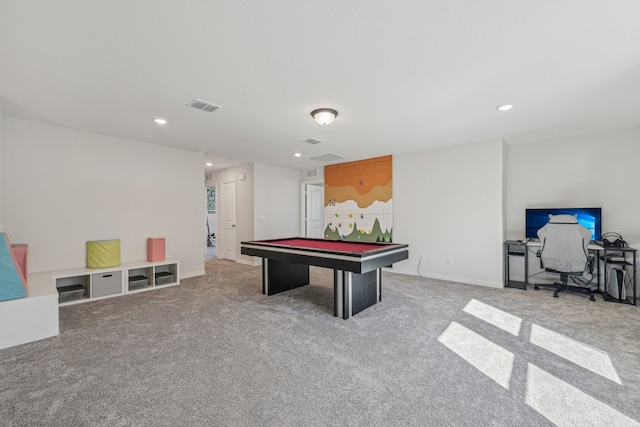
{"type": "Point", "coordinates": [277, 202]}
{"type": "Point", "coordinates": [267, 203]}
{"type": "Point", "coordinates": [63, 187]}
{"type": "Point", "coordinates": [448, 204]}
{"type": "Point", "coordinates": [244, 205]}
{"type": "Point", "coordinates": [455, 202]}
{"type": "Point", "coordinates": [590, 171]}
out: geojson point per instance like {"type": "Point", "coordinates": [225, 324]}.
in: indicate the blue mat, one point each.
{"type": "Point", "coordinates": [11, 286]}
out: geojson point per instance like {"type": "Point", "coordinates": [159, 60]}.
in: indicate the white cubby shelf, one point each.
{"type": "Point", "coordinates": [100, 283]}
{"type": "Point", "coordinates": [36, 317]}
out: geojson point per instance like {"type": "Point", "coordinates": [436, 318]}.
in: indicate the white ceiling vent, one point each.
{"type": "Point", "coordinates": [199, 104]}
{"type": "Point", "coordinates": [327, 157]}
{"type": "Point", "coordinates": [312, 141]}
{"type": "Point", "coordinates": [312, 173]}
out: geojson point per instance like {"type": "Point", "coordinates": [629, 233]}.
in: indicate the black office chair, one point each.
{"type": "Point", "coordinates": [564, 251]}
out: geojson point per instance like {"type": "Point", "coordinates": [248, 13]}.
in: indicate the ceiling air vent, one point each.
{"type": "Point", "coordinates": [327, 157]}
{"type": "Point", "coordinates": [312, 173]}
{"type": "Point", "coordinates": [199, 104]}
{"type": "Point", "coordinates": [312, 141]}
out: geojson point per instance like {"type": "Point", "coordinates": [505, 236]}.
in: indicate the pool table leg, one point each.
{"type": "Point", "coordinates": [354, 292]}
{"type": "Point", "coordinates": [280, 276]}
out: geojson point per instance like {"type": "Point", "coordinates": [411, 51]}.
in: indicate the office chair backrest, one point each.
{"type": "Point", "coordinates": [564, 244]}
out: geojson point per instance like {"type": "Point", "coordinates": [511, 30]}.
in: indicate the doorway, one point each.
{"type": "Point", "coordinates": [229, 220]}
{"type": "Point", "coordinates": [211, 222]}
{"type": "Point", "coordinates": [312, 210]}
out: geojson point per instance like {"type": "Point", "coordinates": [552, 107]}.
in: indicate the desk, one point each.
{"type": "Point", "coordinates": [601, 254]}
{"type": "Point", "coordinates": [357, 266]}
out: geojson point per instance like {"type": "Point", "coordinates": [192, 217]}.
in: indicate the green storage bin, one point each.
{"type": "Point", "coordinates": [103, 253]}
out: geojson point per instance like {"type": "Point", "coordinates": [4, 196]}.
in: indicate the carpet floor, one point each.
{"type": "Point", "coordinates": [214, 351]}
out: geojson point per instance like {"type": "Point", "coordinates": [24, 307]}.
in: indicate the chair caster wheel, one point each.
{"type": "Point", "coordinates": [536, 287]}
{"type": "Point", "coordinates": [592, 298]}
{"type": "Point", "coordinates": [555, 295]}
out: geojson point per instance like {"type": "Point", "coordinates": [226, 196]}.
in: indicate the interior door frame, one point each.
{"type": "Point", "coordinates": [223, 208]}
{"type": "Point", "coordinates": [303, 204]}
{"type": "Point", "coordinates": [207, 212]}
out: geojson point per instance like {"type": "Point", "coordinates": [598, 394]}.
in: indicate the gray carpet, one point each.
{"type": "Point", "coordinates": [214, 351]}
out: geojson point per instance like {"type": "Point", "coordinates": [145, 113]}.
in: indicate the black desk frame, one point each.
{"type": "Point", "coordinates": [520, 249]}
{"type": "Point", "coordinates": [515, 248]}
{"type": "Point", "coordinates": [605, 255]}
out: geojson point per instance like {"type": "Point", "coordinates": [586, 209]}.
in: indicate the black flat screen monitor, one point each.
{"type": "Point", "coordinates": [591, 218]}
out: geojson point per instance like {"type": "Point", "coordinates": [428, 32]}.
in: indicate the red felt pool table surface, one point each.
{"type": "Point", "coordinates": [329, 245]}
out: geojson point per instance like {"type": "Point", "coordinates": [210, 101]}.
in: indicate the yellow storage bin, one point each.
{"type": "Point", "coordinates": [103, 253]}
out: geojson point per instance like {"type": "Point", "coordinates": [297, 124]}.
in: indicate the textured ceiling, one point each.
{"type": "Point", "coordinates": [405, 76]}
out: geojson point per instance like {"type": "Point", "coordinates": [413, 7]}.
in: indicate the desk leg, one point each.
{"type": "Point", "coordinates": [280, 276]}
{"type": "Point", "coordinates": [633, 254]}
{"type": "Point", "coordinates": [354, 292]}
{"type": "Point", "coordinates": [597, 261]}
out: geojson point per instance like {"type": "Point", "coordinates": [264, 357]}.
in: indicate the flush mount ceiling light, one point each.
{"type": "Point", "coordinates": [297, 154]}
{"type": "Point", "coordinates": [504, 107]}
{"type": "Point", "coordinates": [209, 164]}
{"type": "Point", "coordinates": [160, 121]}
{"type": "Point", "coordinates": [324, 116]}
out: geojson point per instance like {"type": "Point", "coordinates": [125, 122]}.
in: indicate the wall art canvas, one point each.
{"type": "Point", "coordinates": [358, 200]}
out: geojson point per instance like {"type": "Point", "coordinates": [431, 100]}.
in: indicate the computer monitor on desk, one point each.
{"type": "Point", "coordinates": [591, 218]}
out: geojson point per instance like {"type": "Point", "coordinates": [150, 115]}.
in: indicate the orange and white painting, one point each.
{"type": "Point", "coordinates": [358, 200]}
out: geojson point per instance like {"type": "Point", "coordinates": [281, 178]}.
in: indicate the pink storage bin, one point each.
{"type": "Point", "coordinates": [155, 249]}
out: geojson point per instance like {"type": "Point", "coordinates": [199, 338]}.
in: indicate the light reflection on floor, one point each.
{"type": "Point", "coordinates": [566, 406]}
{"type": "Point", "coordinates": [555, 399]}
{"type": "Point", "coordinates": [498, 318]}
{"type": "Point", "coordinates": [588, 357]}
{"type": "Point", "coordinates": [486, 356]}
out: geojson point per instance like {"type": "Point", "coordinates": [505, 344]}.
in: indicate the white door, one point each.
{"type": "Point", "coordinates": [315, 211]}
{"type": "Point", "coordinates": [229, 220]}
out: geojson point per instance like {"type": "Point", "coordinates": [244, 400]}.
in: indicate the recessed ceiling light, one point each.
{"type": "Point", "coordinates": [504, 107]}
{"type": "Point", "coordinates": [160, 121]}
{"type": "Point", "coordinates": [209, 164]}
{"type": "Point", "coordinates": [297, 154]}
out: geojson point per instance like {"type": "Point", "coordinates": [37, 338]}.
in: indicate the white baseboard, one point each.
{"type": "Point", "coordinates": [192, 274]}
{"type": "Point", "coordinates": [252, 263]}
{"type": "Point", "coordinates": [466, 280]}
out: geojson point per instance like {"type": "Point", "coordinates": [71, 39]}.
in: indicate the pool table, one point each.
{"type": "Point", "coordinates": [357, 267]}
